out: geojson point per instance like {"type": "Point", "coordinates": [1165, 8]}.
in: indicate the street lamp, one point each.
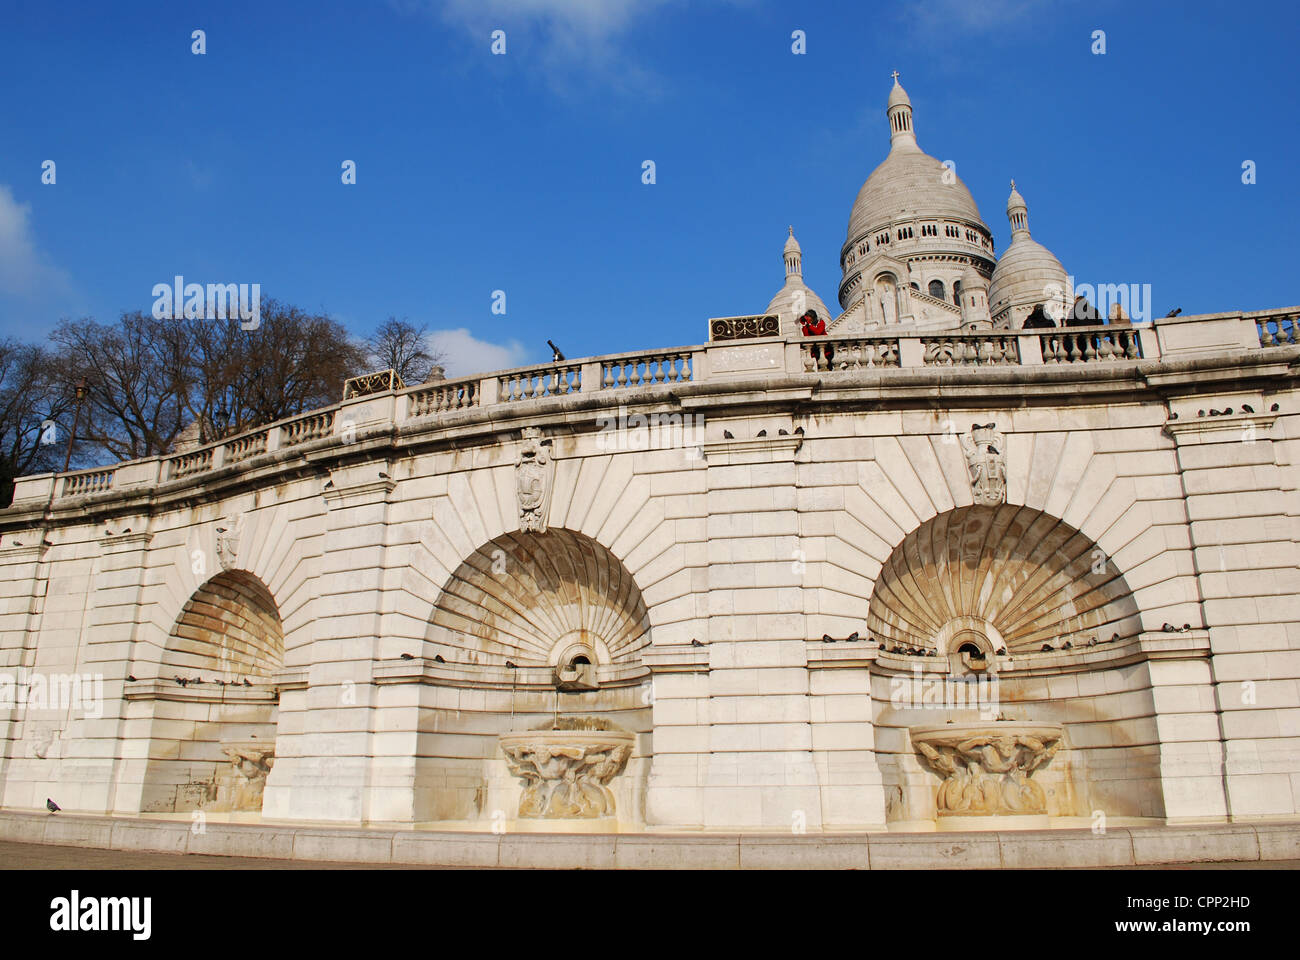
{"type": "Point", "coordinates": [76, 417]}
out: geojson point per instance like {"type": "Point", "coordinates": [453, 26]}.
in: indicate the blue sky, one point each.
{"type": "Point", "coordinates": [522, 172]}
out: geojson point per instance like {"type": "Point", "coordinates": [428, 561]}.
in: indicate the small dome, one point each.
{"type": "Point", "coordinates": [898, 96]}
{"type": "Point", "coordinates": [1027, 273]}
{"type": "Point", "coordinates": [972, 279]}
{"type": "Point", "coordinates": [790, 303]}
{"type": "Point", "coordinates": [1015, 200]}
{"type": "Point", "coordinates": [792, 245]}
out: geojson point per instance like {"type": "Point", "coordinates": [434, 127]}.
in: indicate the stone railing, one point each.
{"type": "Point", "coordinates": [1277, 329]}
{"type": "Point", "coordinates": [531, 383]}
{"type": "Point", "coordinates": [87, 481]}
{"type": "Point", "coordinates": [847, 353]}
{"type": "Point", "coordinates": [188, 464]}
{"type": "Point", "coordinates": [973, 349]}
{"type": "Point", "coordinates": [743, 328]}
{"type": "Point", "coordinates": [442, 396]}
{"type": "Point", "coordinates": [379, 404]}
{"type": "Point", "coordinates": [647, 368]}
{"type": "Point", "coordinates": [1091, 344]}
{"type": "Point", "coordinates": [241, 448]}
{"type": "Point", "coordinates": [313, 426]}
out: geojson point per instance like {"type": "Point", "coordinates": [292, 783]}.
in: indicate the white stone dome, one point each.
{"type": "Point", "coordinates": [908, 184]}
{"type": "Point", "coordinates": [1027, 273]}
{"type": "Point", "coordinates": [795, 298]}
{"type": "Point", "coordinates": [786, 305]}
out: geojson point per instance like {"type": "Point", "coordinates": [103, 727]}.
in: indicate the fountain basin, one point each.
{"type": "Point", "coordinates": [566, 773]}
{"type": "Point", "coordinates": [986, 769]}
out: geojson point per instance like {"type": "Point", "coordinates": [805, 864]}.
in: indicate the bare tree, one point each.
{"type": "Point", "coordinates": [136, 383]}
{"type": "Point", "coordinates": [34, 414]}
{"type": "Point", "coordinates": [402, 346]}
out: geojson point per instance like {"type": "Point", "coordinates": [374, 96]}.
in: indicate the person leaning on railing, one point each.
{"type": "Point", "coordinates": [1038, 319]}
{"type": "Point", "coordinates": [814, 326]}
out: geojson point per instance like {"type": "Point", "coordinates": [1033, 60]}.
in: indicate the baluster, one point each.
{"type": "Point", "coordinates": [671, 375]}
{"type": "Point", "coordinates": [1074, 347]}
{"type": "Point", "coordinates": [688, 373]}
{"type": "Point", "coordinates": [622, 375]}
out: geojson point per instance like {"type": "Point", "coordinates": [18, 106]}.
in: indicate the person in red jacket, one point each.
{"type": "Point", "coordinates": [814, 326]}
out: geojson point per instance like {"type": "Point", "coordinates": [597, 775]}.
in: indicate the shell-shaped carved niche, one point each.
{"type": "Point", "coordinates": [532, 598]}
{"type": "Point", "coordinates": [1031, 577]}
{"type": "Point", "coordinates": [230, 625]}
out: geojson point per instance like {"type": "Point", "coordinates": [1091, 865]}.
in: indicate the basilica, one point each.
{"type": "Point", "coordinates": [918, 254]}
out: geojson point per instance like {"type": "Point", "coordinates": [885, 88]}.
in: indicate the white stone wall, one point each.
{"type": "Point", "coordinates": [755, 551]}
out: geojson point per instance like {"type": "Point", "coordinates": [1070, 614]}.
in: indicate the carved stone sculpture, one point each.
{"type": "Point", "coordinates": [566, 773]}
{"type": "Point", "coordinates": [533, 474]}
{"type": "Point", "coordinates": [987, 461]}
{"type": "Point", "coordinates": [252, 761]}
{"type": "Point", "coordinates": [228, 534]}
{"type": "Point", "coordinates": [986, 769]}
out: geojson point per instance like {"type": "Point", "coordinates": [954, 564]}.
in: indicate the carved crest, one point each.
{"type": "Point", "coordinates": [533, 474]}
{"type": "Point", "coordinates": [228, 534]}
{"type": "Point", "coordinates": [987, 461]}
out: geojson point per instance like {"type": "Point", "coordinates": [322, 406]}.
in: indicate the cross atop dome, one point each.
{"type": "Point", "coordinates": [895, 76]}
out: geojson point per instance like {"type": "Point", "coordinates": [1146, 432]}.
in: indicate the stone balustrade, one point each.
{"type": "Point", "coordinates": [442, 397]}
{"type": "Point", "coordinates": [971, 349]}
{"type": "Point", "coordinates": [736, 351]}
{"type": "Point", "coordinates": [88, 481]}
{"type": "Point", "coordinates": [847, 353]}
{"type": "Point", "coordinates": [638, 370]}
{"type": "Point", "coordinates": [1277, 328]}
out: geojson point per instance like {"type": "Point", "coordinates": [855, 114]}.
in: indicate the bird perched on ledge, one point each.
{"type": "Point", "coordinates": [51, 806]}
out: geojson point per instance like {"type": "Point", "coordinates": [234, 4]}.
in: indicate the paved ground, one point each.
{"type": "Point", "coordinates": [38, 856]}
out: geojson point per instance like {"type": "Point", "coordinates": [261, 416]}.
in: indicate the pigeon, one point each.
{"type": "Point", "coordinates": [727, 434]}
{"type": "Point", "coordinates": [1228, 411]}
{"type": "Point", "coordinates": [1047, 648]}
{"type": "Point", "coordinates": [1186, 627]}
{"type": "Point", "coordinates": [1215, 413]}
{"type": "Point", "coordinates": [783, 432]}
{"type": "Point", "coordinates": [512, 665]}
{"type": "Point", "coordinates": [1002, 651]}
{"type": "Point", "coordinates": [1167, 627]}
{"type": "Point", "coordinates": [1200, 413]}
{"type": "Point", "coordinates": [762, 433]}
{"type": "Point", "coordinates": [181, 680]}
{"type": "Point", "coordinates": [130, 679]}
{"type": "Point", "coordinates": [1113, 638]}
{"type": "Point", "coordinates": [247, 682]}
{"type": "Point", "coordinates": [799, 430]}
{"type": "Point", "coordinates": [1067, 645]}
{"type": "Point", "coordinates": [1092, 641]}
{"type": "Point", "coordinates": [827, 638]}
{"type": "Point", "coordinates": [51, 806]}
{"type": "Point", "coordinates": [328, 486]}
{"type": "Point", "coordinates": [437, 658]}
{"type": "Point", "coordinates": [1173, 416]}
{"type": "Point", "coordinates": [695, 643]}
{"type": "Point", "coordinates": [384, 476]}
{"type": "Point", "coordinates": [1247, 408]}
{"type": "Point", "coordinates": [1274, 408]}
{"type": "Point", "coordinates": [851, 637]}
{"type": "Point", "coordinates": [407, 656]}
{"type": "Point", "coordinates": [1174, 312]}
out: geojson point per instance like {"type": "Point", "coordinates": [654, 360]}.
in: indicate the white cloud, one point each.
{"type": "Point", "coordinates": [561, 37]}
{"type": "Point", "coordinates": [963, 16]}
{"type": "Point", "coordinates": [24, 270]}
{"type": "Point", "coordinates": [465, 354]}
